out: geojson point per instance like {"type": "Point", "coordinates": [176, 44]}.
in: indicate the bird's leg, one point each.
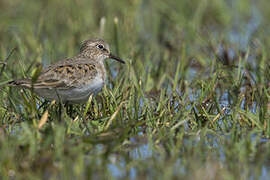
{"type": "Point", "coordinates": [59, 111]}
{"type": "Point", "coordinates": [60, 104]}
{"type": "Point", "coordinates": [69, 109]}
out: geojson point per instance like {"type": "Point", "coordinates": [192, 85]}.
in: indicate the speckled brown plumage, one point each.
{"type": "Point", "coordinates": [73, 79]}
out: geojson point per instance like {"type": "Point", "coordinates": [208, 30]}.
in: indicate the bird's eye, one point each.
{"type": "Point", "coordinates": [100, 46]}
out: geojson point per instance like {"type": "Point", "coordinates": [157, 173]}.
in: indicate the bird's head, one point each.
{"type": "Point", "coordinates": [97, 49]}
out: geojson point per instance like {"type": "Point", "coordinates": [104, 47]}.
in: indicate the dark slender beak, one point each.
{"type": "Point", "coordinates": [116, 58]}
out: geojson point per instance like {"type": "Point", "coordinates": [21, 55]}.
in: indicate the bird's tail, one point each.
{"type": "Point", "coordinates": [26, 83]}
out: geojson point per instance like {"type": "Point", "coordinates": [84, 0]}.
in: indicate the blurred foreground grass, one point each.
{"type": "Point", "coordinates": [192, 101]}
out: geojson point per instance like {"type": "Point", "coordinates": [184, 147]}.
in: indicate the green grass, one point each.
{"type": "Point", "coordinates": [191, 102]}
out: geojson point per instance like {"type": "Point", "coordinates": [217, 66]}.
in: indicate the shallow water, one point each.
{"type": "Point", "coordinates": [215, 149]}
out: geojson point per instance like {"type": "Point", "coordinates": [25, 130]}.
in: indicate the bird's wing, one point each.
{"type": "Point", "coordinates": [63, 75]}
{"type": "Point", "coordinates": [66, 75]}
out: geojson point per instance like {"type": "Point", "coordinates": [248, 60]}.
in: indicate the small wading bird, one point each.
{"type": "Point", "coordinates": [72, 80]}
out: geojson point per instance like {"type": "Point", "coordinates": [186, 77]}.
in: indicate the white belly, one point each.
{"type": "Point", "coordinates": [73, 95]}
